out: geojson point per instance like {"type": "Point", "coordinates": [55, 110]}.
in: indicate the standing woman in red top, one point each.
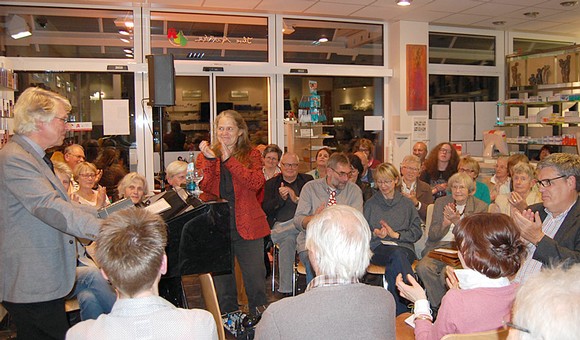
{"type": "Point", "coordinates": [233, 171]}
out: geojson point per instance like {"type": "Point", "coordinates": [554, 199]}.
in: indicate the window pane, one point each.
{"type": "Point", "coordinates": [461, 49]}
{"type": "Point", "coordinates": [210, 37]}
{"type": "Point", "coordinates": [522, 46]}
{"type": "Point", "coordinates": [332, 42]}
{"type": "Point", "coordinates": [66, 33]}
{"type": "Point", "coordinates": [444, 89]}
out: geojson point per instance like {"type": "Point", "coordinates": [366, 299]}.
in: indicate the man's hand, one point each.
{"type": "Point", "coordinates": [286, 192]}
{"type": "Point", "coordinates": [530, 225]}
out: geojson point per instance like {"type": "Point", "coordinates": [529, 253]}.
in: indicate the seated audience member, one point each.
{"type": "Point", "coordinates": [322, 157]}
{"type": "Point", "coordinates": [109, 162]}
{"type": "Point", "coordinates": [413, 188]}
{"type": "Point", "coordinates": [440, 164]}
{"type": "Point", "coordinates": [271, 157]}
{"type": "Point", "coordinates": [320, 193]}
{"type": "Point", "coordinates": [368, 148]}
{"type": "Point", "coordinates": [176, 173]}
{"type": "Point", "coordinates": [367, 174]}
{"type": "Point", "coordinates": [131, 251]}
{"type": "Point", "coordinates": [513, 160]}
{"type": "Point", "coordinates": [86, 175]}
{"type": "Point", "coordinates": [547, 306]}
{"type": "Point", "coordinates": [335, 305]}
{"type": "Point", "coordinates": [523, 179]}
{"type": "Point", "coordinates": [470, 166]}
{"type": "Point", "coordinates": [420, 150]}
{"type": "Point", "coordinates": [552, 227]}
{"type": "Point", "coordinates": [447, 213]}
{"type": "Point", "coordinates": [94, 294]}
{"type": "Point", "coordinates": [281, 195]}
{"type": "Point", "coordinates": [481, 296]}
{"type": "Point", "coordinates": [175, 140]}
{"type": "Point", "coordinates": [133, 186]}
{"type": "Point", "coordinates": [545, 151]}
{"type": "Point", "coordinates": [394, 219]}
{"type": "Point", "coordinates": [500, 182]}
{"type": "Point", "coordinates": [356, 174]}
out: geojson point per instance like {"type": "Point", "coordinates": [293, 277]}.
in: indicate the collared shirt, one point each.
{"type": "Point", "coordinates": [550, 227]}
{"type": "Point", "coordinates": [328, 280]}
{"type": "Point", "coordinates": [35, 146]}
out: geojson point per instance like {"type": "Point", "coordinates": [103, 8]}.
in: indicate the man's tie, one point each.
{"type": "Point", "coordinates": [48, 162]}
{"type": "Point", "coordinates": [332, 198]}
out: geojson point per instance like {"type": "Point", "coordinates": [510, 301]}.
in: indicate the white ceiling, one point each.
{"type": "Point", "coordinates": [553, 18]}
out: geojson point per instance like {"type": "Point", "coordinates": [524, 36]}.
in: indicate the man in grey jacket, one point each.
{"type": "Point", "coordinates": [38, 223]}
{"type": "Point", "coordinates": [335, 305]}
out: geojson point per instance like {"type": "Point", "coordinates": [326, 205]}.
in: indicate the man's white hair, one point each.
{"type": "Point", "coordinates": [548, 305]}
{"type": "Point", "coordinates": [340, 239]}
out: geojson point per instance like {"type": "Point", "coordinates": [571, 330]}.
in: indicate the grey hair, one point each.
{"type": "Point", "coordinates": [36, 105]}
{"type": "Point", "coordinates": [128, 179]}
{"type": "Point", "coordinates": [340, 239]}
{"type": "Point", "coordinates": [411, 159]}
{"type": "Point", "coordinates": [566, 164]}
{"type": "Point", "coordinates": [556, 289]}
{"type": "Point", "coordinates": [176, 167]}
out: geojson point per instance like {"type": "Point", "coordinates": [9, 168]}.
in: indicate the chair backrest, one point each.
{"type": "Point", "coordinates": [420, 245]}
{"type": "Point", "coordinates": [499, 334]}
{"type": "Point", "coordinates": [211, 302]}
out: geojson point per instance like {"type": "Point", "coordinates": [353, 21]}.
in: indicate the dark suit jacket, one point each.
{"type": "Point", "coordinates": [566, 243]}
{"type": "Point", "coordinates": [273, 201]}
{"type": "Point", "coordinates": [37, 228]}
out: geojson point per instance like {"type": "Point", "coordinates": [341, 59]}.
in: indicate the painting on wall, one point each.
{"type": "Point", "coordinates": [416, 77]}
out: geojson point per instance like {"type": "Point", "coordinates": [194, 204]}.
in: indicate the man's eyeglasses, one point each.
{"type": "Point", "coordinates": [290, 165]}
{"type": "Point", "coordinates": [548, 181]}
{"type": "Point", "coordinates": [272, 159]}
{"type": "Point", "coordinates": [341, 173]}
{"type": "Point", "coordinates": [64, 120]}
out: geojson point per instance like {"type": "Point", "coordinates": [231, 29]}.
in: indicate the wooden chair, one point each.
{"type": "Point", "coordinates": [211, 302]}
{"type": "Point", "coordinates": [299, 269]}
{"type": "Point", "coordinates": [499, 334]}
{"type": "Point", "coordinates": [375, 269]}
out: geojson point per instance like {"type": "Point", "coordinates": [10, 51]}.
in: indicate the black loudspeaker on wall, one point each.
{"type": "Point", "coordinates": [161, 80]}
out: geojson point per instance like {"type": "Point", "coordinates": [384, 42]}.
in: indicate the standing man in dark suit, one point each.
{"type": "Point", "coordinates": [38, 224]}
{"type": "Point", "coordinates": [552, 227]}
{"type": "Point", "coordinates": [281, 196]}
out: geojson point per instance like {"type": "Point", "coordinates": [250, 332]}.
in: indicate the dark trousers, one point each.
{"type": "Point", "coordinates": [250, 255]}
{"type": "Point", "coordinates": [40, 320]}
{"type": "Point", "coordinates": [396, 260]}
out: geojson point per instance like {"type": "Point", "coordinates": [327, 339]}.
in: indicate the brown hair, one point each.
{"type": "Point", "coordinates": [490, 244]}
{"type": "Point", "coordinates": [433, 158]}
{"type": "Point", "coordinates": [130, 249]}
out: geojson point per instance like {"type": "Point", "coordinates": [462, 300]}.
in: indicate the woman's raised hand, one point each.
{"type": "Point", "coordinates": [206, 150]}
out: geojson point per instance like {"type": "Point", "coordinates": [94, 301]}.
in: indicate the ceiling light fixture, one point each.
{"type": "Point", "coordinates": [123, 32]}
{"type": "Point", "coordinates": [125, 40]}
{"type": "Point", "coordinates": [17, 27]}
{"type": "Point", "coordinates": [323, 39]}
{"type": "Point", "coordinates": [404, 2]}
{"type": "Point", "coordinates": [568, 3]}
{"type": "Point", "coordinates": [532, 14]}
{"type": "Point", "coordinates": [128, 50]}
{"type": "Point", "coordinates": [499, 23]}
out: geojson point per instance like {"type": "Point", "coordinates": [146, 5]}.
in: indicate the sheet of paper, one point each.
{"type": "Point", "coordinates": [158, 206]}
{"type": "Point", "coordinates": [116, 117]}
{"type": "Point", "coordinates": [373, 123]}
{"type": "Point", "coordinates": [446, 251]}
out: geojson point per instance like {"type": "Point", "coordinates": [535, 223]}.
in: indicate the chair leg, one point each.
{"type": "Point", "coordinates": [274, 260]}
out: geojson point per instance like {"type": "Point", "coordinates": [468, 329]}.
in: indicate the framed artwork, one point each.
{"type": "Point", "coordinates": [416, 77]}
{"type": "Point", "coordinates": [190, 94]}
{"type": "Point", "coordinates": [239, 95]}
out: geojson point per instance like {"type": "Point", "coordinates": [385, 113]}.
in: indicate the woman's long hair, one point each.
{"type": "Point", "coordinates": [432, 160]}
{"type": "Point", "coordinates": [243, 147]}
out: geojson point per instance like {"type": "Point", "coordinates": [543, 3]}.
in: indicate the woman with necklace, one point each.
{"type": "Point", "coordinates": [85, 175]}
{"type": "Point", "coordinates": [271, 157]}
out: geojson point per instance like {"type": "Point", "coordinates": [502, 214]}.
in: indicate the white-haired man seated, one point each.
{"type": "Point", "coordinates": [547, 306]}
{"type": "Point", "coordinates": [335, 305]}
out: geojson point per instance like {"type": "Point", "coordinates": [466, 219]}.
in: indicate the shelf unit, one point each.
{"type": "Point", "coordinates": [8, 84]}
{"type": "Point", "coordinates": [305, 139]}
{"type": "Point", "coordinates": [545, 111]}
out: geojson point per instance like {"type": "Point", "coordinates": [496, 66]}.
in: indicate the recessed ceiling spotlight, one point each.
{"type": "Point", "coordinates": [532, 14]}
{"type": "Point", "coordinates": [499, 23]}
{"type": "Point", "coordinates": [568, 3]}
{"type": "Point", "coordinates": [128, 50]}
{"type": "Point", "coordinates": [129, 55]}
{"type": "Point", "coordinates": [323, 39]}
{"type": "Point", "coordinates": [404, 2]}
{"type": "Point", "coordinates": [123, 32]}
{"type": "Point", "coordinates": [125, 40]}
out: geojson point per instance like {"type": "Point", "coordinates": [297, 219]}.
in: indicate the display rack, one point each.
{"type": "Point", "coordinates": [8, 85]}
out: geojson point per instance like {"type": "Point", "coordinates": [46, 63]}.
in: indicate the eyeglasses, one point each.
{"type": "Point", "coordinates": [387, 182]}
{"type": "Point", "coordinates": [290, 165]}
{"type": "Point", "coordinates": [64, 120]}
{"type": "Point", "coordinates": [445, 150]}
{"type": "Point", "coordinates": [548, 181]}
{"type": "Point", "coordinates": [341, 173]}
{"type": "Point", "coordinates": [409, 168]}
{"type": "Point", "coordinates": [88, 175]}
{"type": "Point", "coordinates": [466, 170]}
{"type": "Point", "coordinates": [514, 326]}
